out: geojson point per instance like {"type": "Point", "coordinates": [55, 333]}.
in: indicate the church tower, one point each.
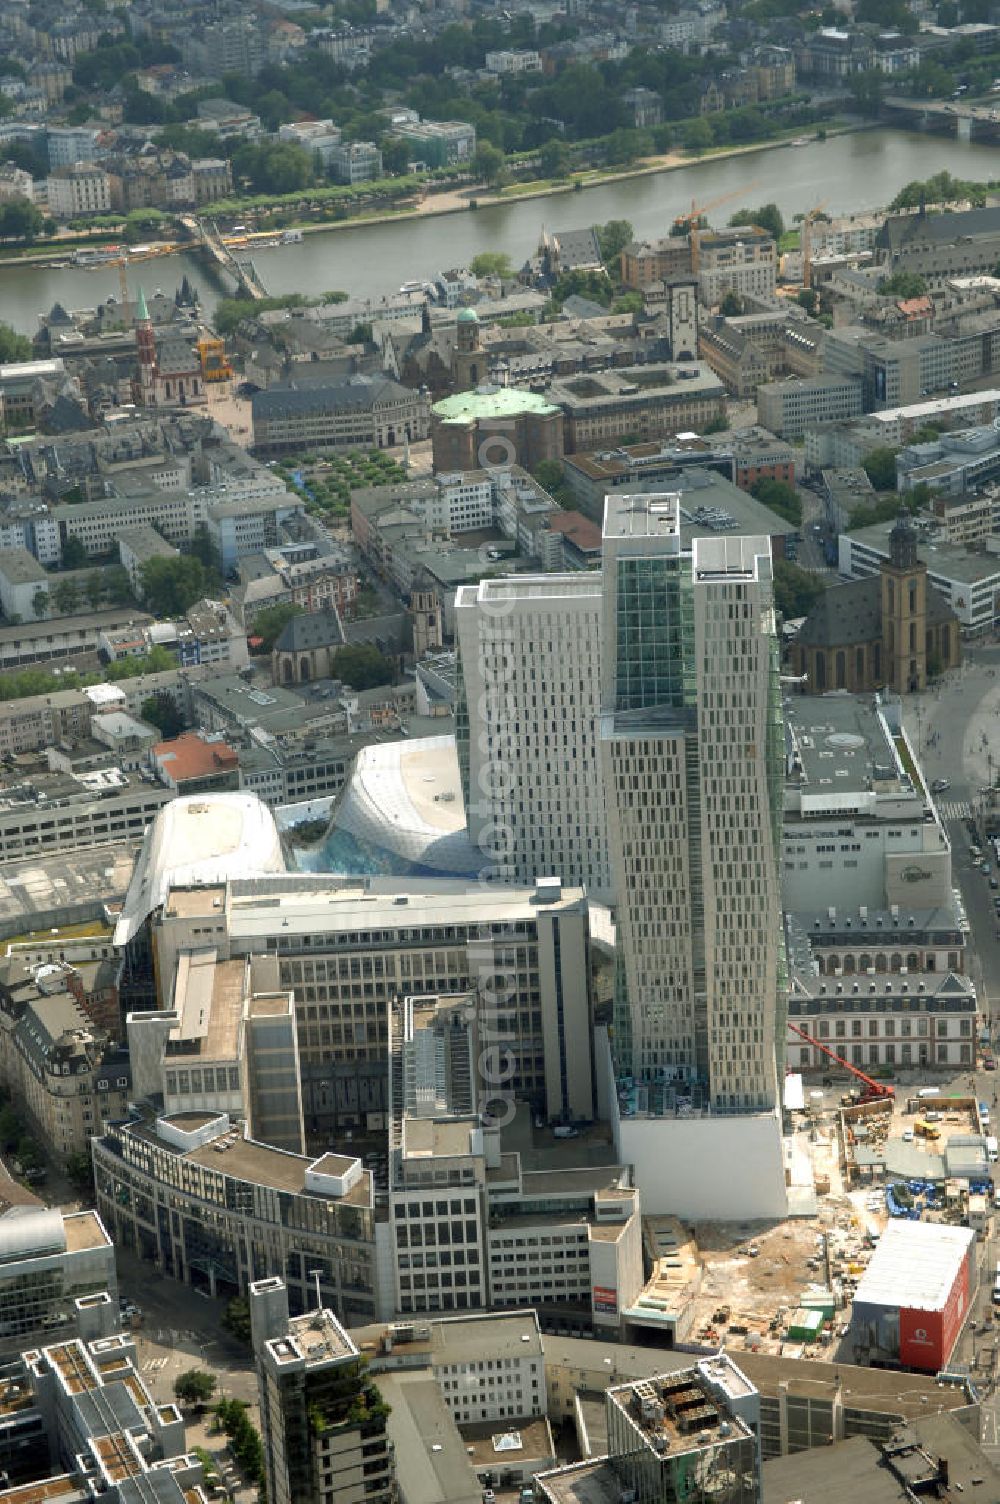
{"type": "Point", "coordinates": [145, 343]}
{"type": "Point", "coordinates": [468, 361]}
{"type": "Point", "coordinates": [904, 612]}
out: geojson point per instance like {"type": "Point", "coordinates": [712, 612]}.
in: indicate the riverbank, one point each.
{"type": "Point", "coordinates": [472, 199]}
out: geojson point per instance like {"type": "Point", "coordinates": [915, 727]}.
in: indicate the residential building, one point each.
{"type": "Point", "coordinates": [742, 260]}
{"type": "Point", "coordinates": [323, 1421]}
{"type": "Point", "coordinates": [15, 182]}
{"type": "Point", "coordinates": [503, 63]}
{"type": "Point", "coordinates": [363, 411]}
{"type": "Point", "coordinates": [39, 721]}
{"type": "Point", "coordinates": [208, 633]}
{"type": "Point", "coordinates": [193, 764]}
{"type": "Point", "coordinates": [440, 143]}
{"type": "Point", "coordinates": [68, 1075]}
{"type": "Point", "coordinates": [528, 724]}
{"type": "Point", "coordinates": [271, 1209]}
{"type": "Point", "coordinates": [355, 161]}
{"type": "Point", "coordinates": [50, 1260]}
{"type": "Point", "coordinates": [24, 586]}
{"type": "Point", "coordinates": [83, 188]}
{"type": "Point", "coordinates": [68, 144]}
{"type": "Point", "coordinates": [644, 262]}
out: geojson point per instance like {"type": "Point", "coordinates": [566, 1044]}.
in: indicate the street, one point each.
{"type": "Point", "coordinates": [955, 728]}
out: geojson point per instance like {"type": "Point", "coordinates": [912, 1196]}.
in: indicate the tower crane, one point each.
{"type": "Point", "coordinates": [693, 218]}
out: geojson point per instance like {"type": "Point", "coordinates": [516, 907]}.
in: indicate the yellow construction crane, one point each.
{"type": "Point", "coordinates": [693, 219]}
{"type": "Point", "coordinates": [805, 239]}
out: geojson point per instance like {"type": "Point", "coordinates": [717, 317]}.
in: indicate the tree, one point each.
{"type": "Point", "coordinates": [236, 1321]}
{"type": "Point", "coordinates": [767, 217]}
{"type": "Point", "coordinates": [95, 590]}
{"type": "Point", "coordinates": [40, 603]}
{"type": "Point", "coordinates": [11, 1127]}
{"type": "Point", "coordinates": [612, 238]}
{"type": "Point", "coordinates": [66, 597]}
{"type": "Point", "coordinates": [170, 586]}
{"type": "Point", "coordinates": [491, 264]}
{"type": "Point", "coordinates": [489, 163]}
{"type": "Point", "coordinates": [20, 220]}
{"type": "Point", "coordinates": [74, 555]}
{"type": "Point", "coordinates": [698, 135]}
{"type": "Point", "coordinates": [731, 306]}
{"type": "Point", "coordinates": [795, 589]}
{"type": "Point", "coordinates": [903, 284]}
{"type": "Point", "coordinates": [880, 466]}
{"type": "Point", "coordinates": [271, 622]}
{"type": "Point", "coordinates": [160, 711]}
{"type": "Point", "coordinates": [80, 1172]}
{"type": "Point", "coordinates": [555, 159]}
{"type": "Point", "coordinates": [194, 1387]}
{"type": "Point", "coordinates": [780, 497]}
{"type": "Point", "coordinates": [549, 474]}
{"type": "Point", "coordinates": [361, 334]}
{"type": "Point", "coordinates": [808, 298]}
{"type": "Point", "coordinates": [361, 666]}
{"type": "Point", "coordinates": [13, 346]}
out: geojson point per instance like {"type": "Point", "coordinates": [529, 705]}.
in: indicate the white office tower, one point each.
{"type": "Point", "coordinates": [691, 743]}
{"type": "Point", "coordinates": [528, 723]}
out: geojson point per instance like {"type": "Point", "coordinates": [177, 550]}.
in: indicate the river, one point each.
{"type": "Point", "coordinates": [848, 173]}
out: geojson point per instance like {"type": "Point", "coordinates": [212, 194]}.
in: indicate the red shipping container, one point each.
{"type": "Point", "coordinates": [926, 1338]}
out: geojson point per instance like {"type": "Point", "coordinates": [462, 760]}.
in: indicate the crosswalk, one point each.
{"type": "Point", "coordinates": [155, 1365]}
{"type": "Point", "coordinates": [954, 809]}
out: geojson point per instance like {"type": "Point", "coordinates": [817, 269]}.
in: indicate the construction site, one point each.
{"type": "Point", "coordinates": [875, 1155]}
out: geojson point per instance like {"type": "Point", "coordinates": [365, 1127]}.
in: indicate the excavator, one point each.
{"type": "Point", "coordinates": [872, 1091]}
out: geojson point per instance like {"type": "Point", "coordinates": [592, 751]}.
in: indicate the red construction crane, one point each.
{"type": "Point", "coordinates": [874, 1091]}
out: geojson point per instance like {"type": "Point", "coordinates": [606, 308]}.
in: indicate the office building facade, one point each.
{"type": "Point", "coordinates": [691, 743]}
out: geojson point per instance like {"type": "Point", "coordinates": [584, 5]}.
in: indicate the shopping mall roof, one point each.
{"type": "Point", "coordinates": [204, 838]}
{"type": "Point", "coordinates": [406, 797]}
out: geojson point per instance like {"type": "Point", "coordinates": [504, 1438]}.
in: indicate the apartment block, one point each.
{"type": "Point", "coordinates": [68, 1075]}
{"type": "Point", "coordinates": [742, 260]}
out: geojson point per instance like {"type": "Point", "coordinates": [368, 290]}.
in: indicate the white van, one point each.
{"type": "Point", "coordinates": [991, 1151]}
{"type": "Point", "coordinates": [929, 1091]}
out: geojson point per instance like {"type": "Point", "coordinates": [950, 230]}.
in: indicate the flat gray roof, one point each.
{"type": "Point", "coordinates": [950, 561]}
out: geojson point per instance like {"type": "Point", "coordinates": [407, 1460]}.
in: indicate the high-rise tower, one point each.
{"type": "Point", "coordinates": [691, 747]}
